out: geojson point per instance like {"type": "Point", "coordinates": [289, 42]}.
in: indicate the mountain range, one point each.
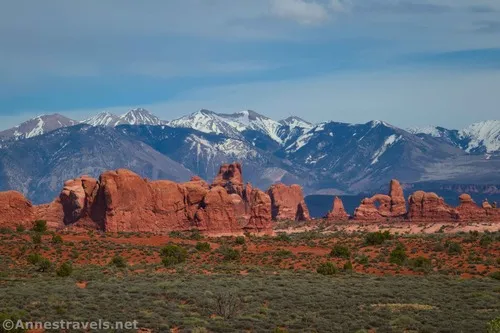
{"type": "Point", "coordinates": [326, 158]}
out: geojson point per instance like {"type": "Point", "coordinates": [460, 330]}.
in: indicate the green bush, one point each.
{"type": "Point", "coordinates": [453, 247]}
{"type": "Point", "coordinates": [57, 239]}
{"type": "Point", "coordinates": [44, 265]}
{"type": "Point", "coordinates": [420, 262]}
{"type": "Point", "coordinates": [340, 251]}
{"type": "Point", "coordinates": [20, 228]}
{"type": "Point", "coordinates": [240, 240]}
{"type": "Point", "coordinates": [229, 254]}
{"type": "Point", "coordinates": [363, 259]}
{"type": "Point", "coordinates": [11, 317]}
{"type": "Point", "coordinates": [34, 258]}
{"type": "Point", "coordinates": [118, 261]}
{"type": "Point", "coordinates": [493, 326]}
{"type": "Point", "coordinates": [173, 255]}
{"type": "Point", "coordinates": [65, 269]}
{"type": "Point", "coordinates": [377, 238]}
{"type": "Point", "coordinates": [327, 268]}
{"type": "Point", "coordinates": [348, 266]}
{"type": "Point", "coordinates": [203, 246]}
{"type": "Point", "coordinates": [195, 235]}
{"type": "Point", "coordinates": [36, 238]}
{"type": "Point", "coordinates": [282, 253]}
{"type": "Point", "coordinates": [284, 237]}
{"type": "Point", "coordinates": [398, 255]}
{"type": "Point", "coordinates": [495, 275]}
{"type": "Point", "coordinates": [40, 226]}
{"type": "Point", "coordinates": [486, 240]}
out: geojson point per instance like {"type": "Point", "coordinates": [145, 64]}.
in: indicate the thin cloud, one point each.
{"type": "Point", "coordinates": [300, 10]}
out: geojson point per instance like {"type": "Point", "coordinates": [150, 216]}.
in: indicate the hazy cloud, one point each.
{"type": "Point", "coordinates": [301, 11]}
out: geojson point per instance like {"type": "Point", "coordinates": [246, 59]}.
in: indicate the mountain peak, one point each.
{"type": "Point", "coordinates": [138, 116]}
{"type": "Point", "coordinates": [37, 126]}
{"type": "Point", "coordinates": [103, 118]}
{"type": "Point", "coordinates": [294, 121]}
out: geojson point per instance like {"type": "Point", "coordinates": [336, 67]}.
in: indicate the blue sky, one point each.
{"type": "Point", "coordinates": [409, 62]}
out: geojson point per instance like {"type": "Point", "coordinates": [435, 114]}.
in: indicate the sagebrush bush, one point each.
{"type": "Point", "coordinates": [44, 265]}
{"type": "Point", "coordinates": [118, 261]}
{"type": "Point", "coordinates": [398, 255]}
{"type": "Point", "coordinates": [229, 254]}
{"type": "Point", "coordinates": [57, 239]}
{"type": "Point", "coordinates": [203, 246]}
{"type": "Point", "coordinates": [240, 240]}
{"type": "Point", "coordinates": [34, 258]}
{"type": "Point", "coordinates": [327, 268]}
{"type": "Point", "coordinates": [40, 226]}
{"type": "Point", "coordinates": [348, 266]}
{"type": "Point", "coordinates": [340, 251]}
{"type": "Point", "coordinates": [453, 247]}
{"type": "Point", "coordinates": [377, 238]}
{"type": "Point", "coordinates": [65, 269]}
{"type": "Point", "coordinates": [173, 255]}
{"type": "Point", "coordinates": [493, 326]}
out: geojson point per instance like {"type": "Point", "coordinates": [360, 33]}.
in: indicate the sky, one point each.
{"type": "Point", "coordinates": [408, 62]}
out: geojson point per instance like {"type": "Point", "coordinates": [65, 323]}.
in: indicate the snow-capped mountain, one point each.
{"type": "Point", "coordinates": [295, 121]}
{"type": "Point", "coordinates": [138, 116]}
{"type": "Point", "coordinates": [232, 125]}
{"type": "Point", "coordinates": [329, 157]}
{"type": "Point", "coordinates": [478, 138]}
{"type": "Point", "coordinates": [102, 119]}
{"type": "Point", "coordinates": [36, 126]}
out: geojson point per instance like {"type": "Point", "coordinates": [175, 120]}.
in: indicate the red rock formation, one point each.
{"type": "Point", "coordinates": [398, 202]}
{"type": "Point", "coordinates": [469, 211]}
{"type": "Point", "coordinates": [260, 212]}
{"type": "Point", "coordinates": [230, 177]}
{"type": "Point", "coordinates": [15, 210]}
{"type": "Point", "coordinates": [338, 212]}
{"type": "Point", "coordinates": [287, 203]}
{"type": "Point", "coordinates": [430, 207]}
{"type": "Point", "coordinates": [381, 207]}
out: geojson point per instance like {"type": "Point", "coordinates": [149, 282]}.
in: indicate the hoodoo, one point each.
{"type": "Point", "coordinates": [287, 203]}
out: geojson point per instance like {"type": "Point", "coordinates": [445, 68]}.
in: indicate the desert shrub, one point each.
{"type": "Point", "coordinates": [284, 237]}
{"type": "Point", "coordinates": [34, 258]}
{"type": "Point", "coordinates": [20, 228]}
{"type": "Point", "coordinates": [57, 239]}
{"type": "Point", "coordinates": [453, 247]}
{"type": "Point", "coordinates": [36, 238]}
{"type": "Point", "coordinates": [348, 266]}
{"type": "Point", "coordinates": [44, 264]}
{"type": "Point", "coordinates": [493, 326]}
{"type": "Point", "coordinates": [327, 268]}
{"type": "Point", "coordinates": [282, 253]}
{"type": "Point", "coordinates": [40, 226]}
{"type": "Point", "coordinates": [227, 304]}
{"type": "Point", "coordinates": [228, 253]}
{"type": "Point", "coordinates": [11, 317]}
{"type": "Point", "coordinates": [173, 255]}
{"type": "Point", "coordinates": [398, 255]}
{"type": "Point", "coordinates": [65, 269]}
{"type": "Point", "coordinates": [420, 263]}
{"type": "Point", "coordinates": [362, 259]}
{"type": "Point", "coordinates": [377, 238]}
{"type": "Point", "coordinates": [240, 240]}
{"type": "Point", "coordinates": [203, 246]}
{"type": "Point", "coordinates": [495, 275]}
{"type": "Point", "coordinates": [118, 261]}
{"type": "Point", "coordinates": [195, 235]}
{"type": "Point", "coordinates": [175, 234]}
{"type": "Point", "coordinates": [340, 251]}
{"type": "Point", "coordinates": [486, 240]}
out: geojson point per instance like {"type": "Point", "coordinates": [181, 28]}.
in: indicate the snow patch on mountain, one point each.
{"type": "Point", "coordinates": [429, 130]}
{"type": "Point", "coordinates": [102, 119]}
{"type": "Point", "coordinates": [485, 133]}
{"type": "Point", "coordinates": [294, 122]}
{"type": "Point", "coordinates": [391, 140]}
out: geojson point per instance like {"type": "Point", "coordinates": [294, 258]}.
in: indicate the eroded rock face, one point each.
{"type": "Point", "coordinates": [123, 201]}
{"type": "Point", "coordinates": [469, 211]}
{"type": "Point", "coordinates": [338, 212]}
{"type": "Point", "coordinates": [287, 203]}
{"type": "Point", "coordinates": [430, 207]}
{"type": "Point", "coordinates": [230, 177]}
{"type": "Point", "coordinates": [15, 210]}
{"type": "Point", "coordinates": [381, 207]}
